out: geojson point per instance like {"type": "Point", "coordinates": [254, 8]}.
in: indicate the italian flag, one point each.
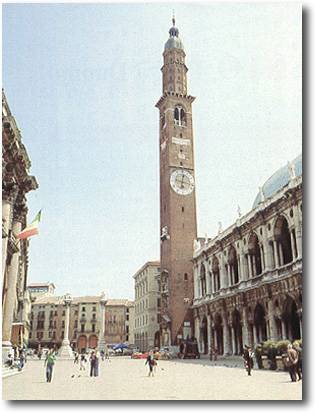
{"type": "Point", "coordinates": [31, 229]}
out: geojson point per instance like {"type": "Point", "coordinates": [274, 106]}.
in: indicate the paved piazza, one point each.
{"type": "Point", "coordinates": [124, 378]}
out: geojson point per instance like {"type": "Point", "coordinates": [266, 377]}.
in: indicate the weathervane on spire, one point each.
{"type": "Point", "coordinates": [173, 19]}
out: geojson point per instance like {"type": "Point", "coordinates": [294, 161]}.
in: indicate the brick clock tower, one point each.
{"type": "Point", "coordinates": [177, 195]}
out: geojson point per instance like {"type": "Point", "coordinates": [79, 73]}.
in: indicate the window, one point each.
{"type": "Point", "coordinates": [93, 328]}
{"type": "Point", "coordinates": [158, 302]}
{"type": "Point", "coordinates": [179, 116]}
{"type": "Point", "coordinates": [82, 328]}
{"type": "Point", "coordinates": [185, 277]}
{"type": "Point", "coordinates": [64, 313]}
{"type": "Point", "coordinates": [83, 309]}
{"type": "Point", "coordinates": [63, 324]}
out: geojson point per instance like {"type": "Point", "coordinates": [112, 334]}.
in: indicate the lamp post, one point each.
{"type": "Point", "coordinates": [65, 350]}
{"type": "Point", "coordinates": [103, 301]}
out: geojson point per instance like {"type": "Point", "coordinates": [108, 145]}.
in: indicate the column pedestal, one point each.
{"type": "Point", "coordinates": [65, 351]}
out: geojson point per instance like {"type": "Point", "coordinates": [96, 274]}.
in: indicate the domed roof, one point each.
{"type": "Point", "coordinates": [278, 180]}
{"type": "Point", "coordinates": [174, 42]}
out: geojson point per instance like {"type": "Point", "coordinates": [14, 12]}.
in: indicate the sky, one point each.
{"type": "Point", "coordinates": [82, 81]}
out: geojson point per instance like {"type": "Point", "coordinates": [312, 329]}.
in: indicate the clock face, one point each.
{"type": "Point", "coordinates": [182, 182]}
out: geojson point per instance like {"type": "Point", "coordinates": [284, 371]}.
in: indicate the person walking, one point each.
{"type": "Point", "coordinates": [22, 358]}
{"type": "Point", "coordinates": [150, 362]}
{"type": "Point", "coordinates": [292, 360]}
{"type": "Point", "coordinates": [299, 365]}
{"type": "Point", "coordinates": [76, 360]}
{"type": "Point", "coordinates": [49, 363]}
{"type": "Point", "coordinates": [248, 359]}
{"type": "Point", "coordinates": [83, 361]}
{"type": "Point", "coordinates": [94, 365]}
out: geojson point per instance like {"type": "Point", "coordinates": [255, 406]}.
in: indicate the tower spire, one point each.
{"type": "Point", "coordinates": [173, 19]}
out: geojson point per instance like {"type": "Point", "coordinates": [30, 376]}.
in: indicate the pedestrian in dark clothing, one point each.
{"type": "Point", "coordinates": [292, 360]}
{"type": "Point", "coordinates": [150, 362]}
{"type": "Point", "coordinates": [76, 360]}
{"type": "Point", "coordinates": [94, 365]}
{"type": "Point", "coordinates": [49, 363]}
{"type": "Point", "coordinates": [248, 359]}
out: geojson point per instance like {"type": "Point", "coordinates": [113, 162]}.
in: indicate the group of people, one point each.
{"type": "Point", "coordinates": [17, 358]}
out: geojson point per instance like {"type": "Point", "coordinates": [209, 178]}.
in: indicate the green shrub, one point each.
{"type": "Point", "coordinates": [282, 346]}
{"type": "Point", "coordinates": [298, 342]}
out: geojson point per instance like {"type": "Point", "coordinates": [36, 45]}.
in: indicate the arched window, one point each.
{"type": "Point", "coordinates": [179, 116]}
{"type": "Point", "coordinates": [216, 274]}
{"type": "Point", "coordinates": [233, 266]}
{"type": "Point", "coordinates": [283, 239]}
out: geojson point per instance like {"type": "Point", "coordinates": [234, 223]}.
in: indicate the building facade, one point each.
{"type": "Point", "coordinates": [147, 306]}
{"type": "Point", "coordinates": [48, 320]}
{"type": "Point", "coordinates": [16, 183]}
{"type": "Point", "coordinates": [40, 289]}
{"type": "Point", "coordinates": [177, 194]}
{"type": "Point", "coordinates": [248, 279]}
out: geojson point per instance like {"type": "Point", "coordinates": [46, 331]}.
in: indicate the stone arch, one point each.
{"type": "Point", "coordinates": [237, 332]}
{"type": "Point", "coordinates": [260, 327]}
{"type": "Point", "coordinates": [255, 252]}
{"type": "Point", "coordinates": [291, 318]}
{"type": "Point", "coordinates": [283, 238]}
{"type": "Point", "coordinates": [233, 270]}
{"type": "Point", "coordinates": [218, 333]}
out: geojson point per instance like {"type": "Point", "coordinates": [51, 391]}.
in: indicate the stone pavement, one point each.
{"type": "Point", "coordinates": [126, 379]}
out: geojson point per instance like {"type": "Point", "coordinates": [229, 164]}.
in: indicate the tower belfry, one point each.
{"type": "Point", "coordinates": [177, 193]}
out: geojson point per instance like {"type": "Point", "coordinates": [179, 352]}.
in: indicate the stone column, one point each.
{"type": "Point", "coordinates": [223, 273]}
{"type": "Point", "coordinates": [272, 323]}
{"type": "Point", "coordinates": [8, 199]}
{"type": "Point", "coordinates": [298, 231]}
{"type": "Point", "coordinates": [212, 288]}
{"type": "Point", "coordinates": [196, 287]}
{"type": "Point", "coordinates": [245, 331]}
{"type": "Point", "coordinates": [262, 258]}
{"type": "Point", "coordinates": [249, 266]}
{"type": "Point", "coordinates": [6, 213]}
{"type": "Point", "coordinates": [233, 340]}
{"type": "Point", "coordinates": [283, 330]}
{"type": "Point", "coordinates": [65, 350]}
{"type": "Point", "coordinates": [293, 245]}
{"type": "Point", "coordinates": [255, 335]}
{"type": "Point", "coordinates": [276, 254]}
{"type": "Point", "coordinates": [281, 254]}
{"type": "Point", "coordinates": [241, 267]}
{"type": "Point", "coordinates": [226, 338]}
{"type": "Point", "coordinates": [101, 344]}
{"type": "Point", "coordinates": [209, 331]}
{"type": "Point", "coordinates": [10, 299]}
{"type": "Point", "coordinates": [208, 282]}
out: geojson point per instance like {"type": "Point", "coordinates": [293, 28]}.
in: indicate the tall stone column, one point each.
{"type": "Point", "coordinates": [66, 351]}
{"type": "Point", "coordinates": [197, 332]}
{"type": "Point", "coordinates": [101, 344]}
{"type": "Point", "coordinates": [293, 245]}
{"type": "Point", "coordinates": [283, 330]}
{"type": "Point", "coordinates": [209, 331]}
{"type": "Point", "coordinates": [223, 272]}
{"type": "Point", "coordinates": [226, 337]}
{"type": "Point", "coordinates": [272, 323]}
{"type": "Point", "coordinates": [249, 266]}
{"type": "Point", "coordinates": [245, 331]}
{"type": "Point", "coordinates": [8, 198]}
{"type": "Point", "coordinates": [233, 340]}
{"type": "Point", "coordinates": [298, 231]}
{"type": "Point", "coordinates": [281, 254]}
{"type": "Point", "coordinates": [9, 303]}
{"type": "Point", "coordinates": [196, 287]}
{"type": "Point", "coordinates": [276, 254]}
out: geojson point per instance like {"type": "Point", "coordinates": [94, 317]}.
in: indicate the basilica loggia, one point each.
{"type": "Point", "coordinates": [248, 279]}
